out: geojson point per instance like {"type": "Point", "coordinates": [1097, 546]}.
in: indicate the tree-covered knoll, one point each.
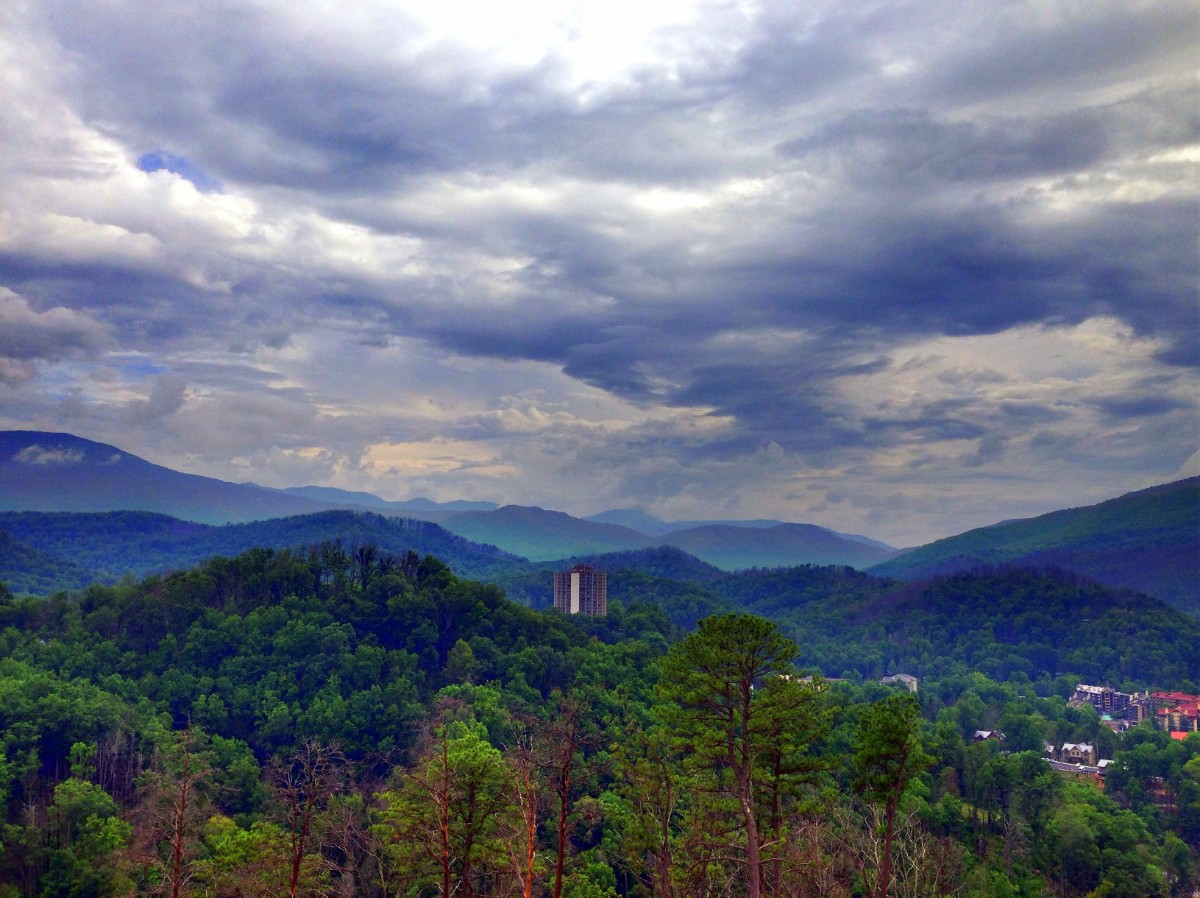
{"type": "Point", "coordinates": [330, 643]}
{"type": "Point", "coordinates": [342, 721]}
{"type": "Point", "coordinates": [664, 562]}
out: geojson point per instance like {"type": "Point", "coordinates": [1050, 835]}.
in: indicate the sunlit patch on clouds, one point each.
{"type": "Point", "coordinates": [437, 456]}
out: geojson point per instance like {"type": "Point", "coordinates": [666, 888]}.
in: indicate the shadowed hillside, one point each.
{"type": "Point", "coordinates": [1148, 541]}
{"type": "Point", "coordinates": [60, 472]}
{"type": "Point", "coordinates": [107, 546]}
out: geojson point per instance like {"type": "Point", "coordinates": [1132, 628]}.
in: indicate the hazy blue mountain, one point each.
{"type": "Point", "coordinates": [542, 535]}
{"type": "Point", "coordinates": [333, 496]}
{"type": "Point", "coordinates": [422, 509]}
{"type": "Point", "coordinates": [866, 540]}
{"type": "Point", "coordinates": [783, 545]}
{"type": "Point", "coordinates": [60, 472]}
{"type": "Point", "coordinates": [637, 519]}
{"type": "Point", "coordinates": [643, 522]}
{"type": "Point", "coordinates": [1148, 541]}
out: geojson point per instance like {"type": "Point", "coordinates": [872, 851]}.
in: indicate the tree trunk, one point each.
{"type": "Point", "coordinates": [753, 865]}
{"type": "Point", "coordinates": [564, 793]}
{"type": "Point", "coordinates": [177, 839]}
{"type": "Point", "coordinates": [885, 865]}
{"type": "Point", "coordinates": [299, 839]}
{"type": "Point", "coordinates": [664, 848]}
{"type": "Point", "coordinates": [444, 817]}
{"type": "Point", "coordinates": [530, 811]}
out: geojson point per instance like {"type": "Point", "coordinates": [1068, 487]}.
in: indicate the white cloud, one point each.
{"type": "Point", "coordinates": [43, 455]}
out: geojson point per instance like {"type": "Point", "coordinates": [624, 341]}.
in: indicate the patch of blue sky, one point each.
{"type": "Point", "coordinates": [135, 366]}
{"type": "Point", "coordinates": [159, 160]}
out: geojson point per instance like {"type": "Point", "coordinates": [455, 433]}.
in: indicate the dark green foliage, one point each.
{"type": "Point", "coordinates": [112, 544]}
{"type": "Point", "coordinates": [662, 562]}
{"type": "Point", "coordinates": [334, 644]}
{"type": "Point", "coordinates": [1002, 623]}
{"type": "Point", "coordinates": [887, 757]}
{"type": "Point", "coordinates": [25, 569]}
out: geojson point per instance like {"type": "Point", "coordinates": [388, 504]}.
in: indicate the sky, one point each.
{"type": "Point", "coordinates": [899, 269]}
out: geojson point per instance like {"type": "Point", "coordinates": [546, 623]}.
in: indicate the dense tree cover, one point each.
{"type": "Point", "coordinates": [744, 722]}
{"type": "Point", "coordinates": [1038, 624]}
{"type": "Point", "coordinates": [110, 545]}
{"type": "Point", "coordinates": [30, 570]}
{"type": "Point", "coordinates": [343, 721]}
{"type": "Point", "coordinates": [1004, 622]}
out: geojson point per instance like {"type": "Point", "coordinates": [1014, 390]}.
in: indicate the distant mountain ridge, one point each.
{"type": "Point", "coordinates": [59, 472]}
{"type": "Point", "coordinates": [643, 522]}
{"type": "Point", "coordinates": [412, 507]}
{"type": "Point", "coordinates": [1147, 540]}
{"type": "Point", "coordinates": [42, 471]}
{"type": "Point", "coordinates": [783, 545]}
{"type": "Point", "coordinates": [542, 535]}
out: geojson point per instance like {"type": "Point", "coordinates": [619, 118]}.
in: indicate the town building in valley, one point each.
{"type": "Point", "coordinates": [581, 590]}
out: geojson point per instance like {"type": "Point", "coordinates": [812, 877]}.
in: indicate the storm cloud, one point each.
{"type": "Point", "coordinates": [893, 269]}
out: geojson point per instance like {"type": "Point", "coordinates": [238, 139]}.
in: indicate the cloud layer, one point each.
{"type": "Point", "coordinates": [895, 269]}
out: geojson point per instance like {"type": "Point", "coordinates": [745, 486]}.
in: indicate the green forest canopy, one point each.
{"type": "Point", "coordinates": [344, 718]}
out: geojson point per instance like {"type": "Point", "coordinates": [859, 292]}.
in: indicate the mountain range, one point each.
{"type": "Point", "coordinates": [72, 510]}
{"type": "Point", "coordinates": [58, 472]}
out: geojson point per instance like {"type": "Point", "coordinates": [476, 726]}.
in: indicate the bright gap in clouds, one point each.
{"type": "Point", "coordinates": [596, 41]}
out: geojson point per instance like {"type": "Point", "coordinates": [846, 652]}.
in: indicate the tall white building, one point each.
{"type": "Point", "coordinates": [581, 590]}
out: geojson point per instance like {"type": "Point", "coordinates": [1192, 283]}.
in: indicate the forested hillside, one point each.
{"type": "Point", "coordinates": [1004, 622]}
{"type": "Point", "coordinates": [330, 721]}
{"type": "Point", "coordinates": [113, 544]}
{"type": "Point", "coordinates": [1148, 541]}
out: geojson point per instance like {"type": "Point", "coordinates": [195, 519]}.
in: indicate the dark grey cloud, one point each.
{"type": "Point", "coordinates": [1026, 49]}
{"type": "Point", "coordinates": [29, 334]}
{"type": "Point", "coordinates": [1133, 406]}
{"type": "Point", "coordinates": [891, 146]}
